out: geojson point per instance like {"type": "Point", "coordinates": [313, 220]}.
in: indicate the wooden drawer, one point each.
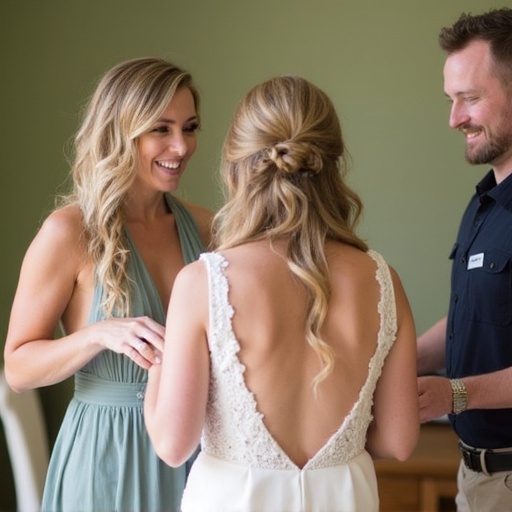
{"type": "Point", "coordinates": [399, 494]}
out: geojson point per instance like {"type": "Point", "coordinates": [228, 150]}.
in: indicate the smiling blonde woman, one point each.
{"type": "Point", "coordinates": [103, 264]}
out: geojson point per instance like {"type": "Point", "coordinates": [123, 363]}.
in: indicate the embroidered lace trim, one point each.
{"type": "Point", "coordinates": [234, 429]}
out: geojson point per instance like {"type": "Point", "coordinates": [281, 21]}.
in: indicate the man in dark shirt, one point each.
{"type": "Point", "coordinates": [474, 342]}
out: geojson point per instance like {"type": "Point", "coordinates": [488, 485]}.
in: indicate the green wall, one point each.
{"type": "Point", "coordinates": [378, 60]}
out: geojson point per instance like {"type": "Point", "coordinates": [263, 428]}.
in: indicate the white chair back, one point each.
{"type": "Point", "coordinates": [27, 443]}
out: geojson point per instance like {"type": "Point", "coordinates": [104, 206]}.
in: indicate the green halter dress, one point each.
{"type": "Point", "coordinates": [103, 459]}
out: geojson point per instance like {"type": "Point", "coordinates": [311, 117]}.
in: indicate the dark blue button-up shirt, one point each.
{"type": "Point", "coordinates": [479, 330]}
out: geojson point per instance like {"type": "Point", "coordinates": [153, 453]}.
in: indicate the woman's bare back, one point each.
{"type": "Point", "coordinates": [269, 324]}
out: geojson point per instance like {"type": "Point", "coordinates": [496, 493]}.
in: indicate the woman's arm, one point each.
{"type": "Point", "coordinates": [395, 428]}
{"type": "Point", "coordinates": [50, 279]}
{"type": "Point", "coordinates": [177, 390]}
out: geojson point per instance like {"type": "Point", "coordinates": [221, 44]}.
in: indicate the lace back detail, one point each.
{"type": "Point", "coordinates": [234, 430]}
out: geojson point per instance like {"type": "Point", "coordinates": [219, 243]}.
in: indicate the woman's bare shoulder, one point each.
{"type": "Point", "coordinates": [58, 251]}
{"type": "Point", "coordinates": [201, 213]}
{"type": "Point", "coordinates": [204, 218]}
{"type": "Point", "coordinates": [345, 255]}
{"type": "Point", "coordinates": [65, 226]}
{"type": "Point", "coordinates": [65, 218]}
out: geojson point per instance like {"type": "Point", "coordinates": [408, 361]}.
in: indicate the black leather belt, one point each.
{"type": "Point", "coordinates": [486, 461]}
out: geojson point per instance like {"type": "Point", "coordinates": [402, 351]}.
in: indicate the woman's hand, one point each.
{"type": "Point", "coordinates": [140, 338]}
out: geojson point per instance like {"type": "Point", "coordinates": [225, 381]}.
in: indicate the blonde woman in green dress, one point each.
{"type": "Point", "coordinates": [103, 264]}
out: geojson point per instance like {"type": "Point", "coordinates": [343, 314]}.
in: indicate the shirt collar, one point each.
{"type": "Point", "coordinates": [502, 193]}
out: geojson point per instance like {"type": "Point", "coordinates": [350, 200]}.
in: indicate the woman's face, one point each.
{"type": "Point", "coordinates": [165, 149]}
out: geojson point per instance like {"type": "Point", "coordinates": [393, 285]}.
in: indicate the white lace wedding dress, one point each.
{"type": "Point", "coordinates": [241, 468]}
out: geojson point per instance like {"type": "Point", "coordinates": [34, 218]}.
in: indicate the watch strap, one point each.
{"type": "Point", "coordinates": [459, 396]}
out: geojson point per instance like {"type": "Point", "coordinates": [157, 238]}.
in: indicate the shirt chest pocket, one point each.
{"type": "Point", "coordinates": [489, 289]}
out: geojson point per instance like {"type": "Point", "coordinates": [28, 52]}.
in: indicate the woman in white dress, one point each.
{"type": "Point", "coordinates": [292, 353]}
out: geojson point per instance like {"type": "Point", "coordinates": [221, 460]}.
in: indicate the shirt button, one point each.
{"type": "Point", "coordinates": [492, 265]}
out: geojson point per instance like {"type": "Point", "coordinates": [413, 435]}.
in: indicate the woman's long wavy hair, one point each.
{"type": "Point", "coordinates": [283, 165]}
{"type": "Point", "coordinates": [128, 100]}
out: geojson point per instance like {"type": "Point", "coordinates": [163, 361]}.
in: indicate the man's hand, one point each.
{"type": "Point", "coordinates": [435, 397]}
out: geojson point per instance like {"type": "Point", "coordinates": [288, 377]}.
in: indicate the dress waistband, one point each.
{"type": "Point", "coordinates": [94, 390]}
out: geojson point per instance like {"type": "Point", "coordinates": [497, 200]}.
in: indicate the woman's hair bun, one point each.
{"type": "Point", "coordinates": [292, 157]}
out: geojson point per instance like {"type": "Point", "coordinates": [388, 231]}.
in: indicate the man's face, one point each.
{"type": "Point", "coordinates": [481, 107]}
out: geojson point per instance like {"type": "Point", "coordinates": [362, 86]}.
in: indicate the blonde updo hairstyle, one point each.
{"type": "Point", "coordinates": [283, 166]}
{"type": "Point", "coordinates": [128, 100]}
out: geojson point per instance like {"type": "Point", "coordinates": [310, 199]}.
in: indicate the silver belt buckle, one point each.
{"type": "Point", "coordinates": [483, 464]}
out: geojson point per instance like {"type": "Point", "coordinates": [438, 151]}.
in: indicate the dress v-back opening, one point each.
{"type": "Point", "coordinates": [249, 396]}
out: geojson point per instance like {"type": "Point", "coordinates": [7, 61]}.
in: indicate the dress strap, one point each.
{"type": "Point", "coordinates": [188, 230]}
{"type": "Point", "coordinates": [387, 302]}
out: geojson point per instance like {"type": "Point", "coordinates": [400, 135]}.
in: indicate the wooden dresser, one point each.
{"type": "Point", "coordinates": [427, 482]}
